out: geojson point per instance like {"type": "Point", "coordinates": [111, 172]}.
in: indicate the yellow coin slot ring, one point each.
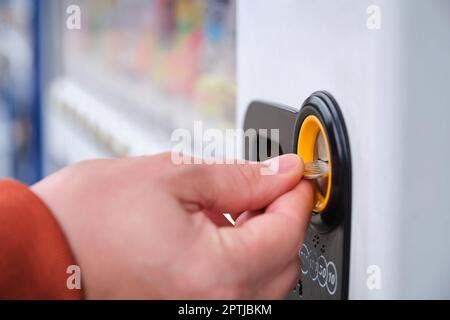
{"type": "Point", "coordinates": [310, 130]}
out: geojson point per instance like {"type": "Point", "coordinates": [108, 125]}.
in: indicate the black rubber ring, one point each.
{"type": "Point", "coordinates": [322, 105]}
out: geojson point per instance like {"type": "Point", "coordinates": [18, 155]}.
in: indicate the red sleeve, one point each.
{"type": "Point", "coordinates": [34, 254]}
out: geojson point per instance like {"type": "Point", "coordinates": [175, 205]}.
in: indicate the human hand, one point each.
{"type": "Point", "coordinates": [145, 228]}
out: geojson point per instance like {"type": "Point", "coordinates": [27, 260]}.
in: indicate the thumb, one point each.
{"type": "Point", "coordinates": [238, 187]}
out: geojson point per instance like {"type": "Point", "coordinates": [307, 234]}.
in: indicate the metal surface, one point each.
{"type": "Point", "coordinates": [315, 170]}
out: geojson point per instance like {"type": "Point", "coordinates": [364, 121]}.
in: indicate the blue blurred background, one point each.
{"type": "Point", "coordinates": [118, 86]}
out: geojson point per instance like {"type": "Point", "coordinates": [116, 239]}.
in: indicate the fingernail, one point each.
{"type": "Point", "coordinates": [283, 164]}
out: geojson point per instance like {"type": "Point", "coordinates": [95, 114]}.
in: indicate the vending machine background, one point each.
{"type": "Point", "coordinates": [19, 106]}
{"type": "Point", "coordinates": [133, 73]}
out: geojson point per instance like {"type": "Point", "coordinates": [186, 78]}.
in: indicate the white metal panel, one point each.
{"type": "Point", "coordinates": [393, 87]}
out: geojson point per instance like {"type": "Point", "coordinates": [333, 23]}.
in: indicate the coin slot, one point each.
{"type": "Point", "coordinates": [313, 145]}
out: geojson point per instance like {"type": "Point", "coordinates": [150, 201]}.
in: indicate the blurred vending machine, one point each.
{"type": "Point", "coordinates": [363, 86]}
{"type": "Point", "coordinates": [131, 72]}
{"type": "Point", "coordinates": [20, 145]}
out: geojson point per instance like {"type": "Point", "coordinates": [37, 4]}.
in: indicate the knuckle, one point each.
{"type": "Point", "coordinates": [160, 168]}
{"type": "Point", "coordinates": [201, 177]}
